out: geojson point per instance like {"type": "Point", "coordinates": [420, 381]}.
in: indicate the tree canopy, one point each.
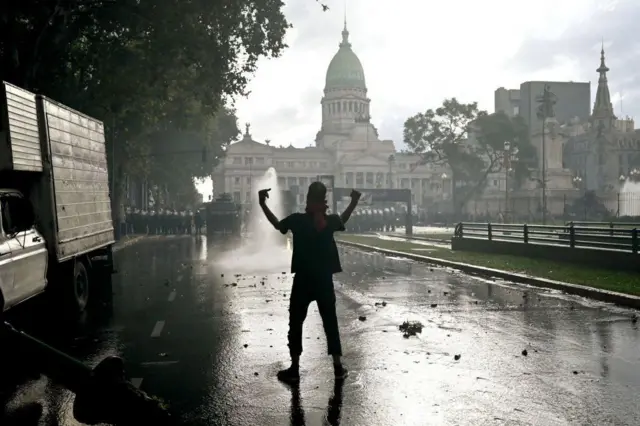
{"type": "Point", "coordinates": [470, 143]}
{"type": "Point", "coordinates": [149, 70]}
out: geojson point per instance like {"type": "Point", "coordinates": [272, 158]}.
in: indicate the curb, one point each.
{"type": "Point", "coordinates": [620, 299]}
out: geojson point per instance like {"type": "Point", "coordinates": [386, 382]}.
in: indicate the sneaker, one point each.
{"type": "Point", "coordinates": [340, 371]}
{"type": "Point", "coordinates": [290, 375]}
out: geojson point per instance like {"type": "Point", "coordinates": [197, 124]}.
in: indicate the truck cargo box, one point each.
{"type": "Point", "coordinates": [76, 160]}
{"type": "Point", "coordinates": [19, 142]}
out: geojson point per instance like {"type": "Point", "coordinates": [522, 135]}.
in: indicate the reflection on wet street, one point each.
{"type": "Point", "coordinates": [209, 339]}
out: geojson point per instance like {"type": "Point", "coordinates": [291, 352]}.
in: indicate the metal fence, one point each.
{"type": "Point", "coordinates": [595, 235]}
{"type": "Point", "coordinates": [527, 207]}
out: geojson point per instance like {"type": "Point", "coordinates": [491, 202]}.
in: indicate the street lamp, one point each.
{"type": "Point", "coordinates": [391, 160]}
{"type": "Point", "coordinates": [577, 181]}
{"type": "Point", "coordinates": [510, 156]}
{"type": "Point", "coordinates": [634, 174]}
{"type": "Point", "coordinates": [443, 177]}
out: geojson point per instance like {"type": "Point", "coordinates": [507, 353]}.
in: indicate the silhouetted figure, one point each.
{"type": "Point", "coordinates": [315, 259]}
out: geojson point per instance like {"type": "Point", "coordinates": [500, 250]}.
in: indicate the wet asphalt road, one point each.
{"type": "Point", "coordinates": [211, 349]}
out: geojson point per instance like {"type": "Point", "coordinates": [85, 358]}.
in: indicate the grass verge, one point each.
{"type": "Point", "coordinates": [619, 281]}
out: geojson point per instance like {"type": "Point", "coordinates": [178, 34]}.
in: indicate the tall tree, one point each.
{"type": "Point", "coordinates": [469, 142]}
{"type": "Point", "coordinates": [138, 66]}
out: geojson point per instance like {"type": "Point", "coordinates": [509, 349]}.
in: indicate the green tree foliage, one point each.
{"type": "Point", "coordinates": [470, 143]}
{"type": "Point", "coordinates": [141, 67]}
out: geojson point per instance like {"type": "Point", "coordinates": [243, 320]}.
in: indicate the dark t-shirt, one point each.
{"type": "Point", "coordinates": [313, 251]}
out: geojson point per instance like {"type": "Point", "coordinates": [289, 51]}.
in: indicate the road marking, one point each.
{"type": "Point", "coordinates": [157, 329]}
{"type": "Point", "coordinates": [149, 363]}
{"type": "Point", "coordinates": [172, 296]}
{"type": "Point", "coordinates": [137, 382]}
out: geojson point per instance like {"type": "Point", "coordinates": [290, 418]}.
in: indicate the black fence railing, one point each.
{"type": "Point", "coordinates": [594, 235]}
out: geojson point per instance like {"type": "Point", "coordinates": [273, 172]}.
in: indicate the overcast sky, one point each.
{"type": "Point", "coordinates": [415, 53]}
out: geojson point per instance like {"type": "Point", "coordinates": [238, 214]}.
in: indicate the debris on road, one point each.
{"type": "Point", "coordinates": [383, 303]}
{"type": "Point", "coordinates": [524, 352]}
{"type": "Point", "coordinates": [457, 357]}
{"type": "Point", "coordinates": [434, 305]}
{"type": "Point", "coordinates": [410, 328]}
{"type": "Point", "coordinates": [245, 345]}
{"type": "Point", "coordinates": [362, 318]}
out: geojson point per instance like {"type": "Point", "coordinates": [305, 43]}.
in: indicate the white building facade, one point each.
{"type": "Point", "coordinates": [347, 146]}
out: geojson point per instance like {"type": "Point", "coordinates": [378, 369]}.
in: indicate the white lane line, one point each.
{"type": "Point", "coordinates": [149, 363]}
{"type": "Point", "coordinates": [172, 296]}
{"type": "Point", "coordinates": [157, 329]}
{"type": "Point", "coordinates": [136, 381]}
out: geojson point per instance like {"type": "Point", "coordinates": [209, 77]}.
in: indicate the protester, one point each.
{"type": "Point", "coordinates": [314, 261]}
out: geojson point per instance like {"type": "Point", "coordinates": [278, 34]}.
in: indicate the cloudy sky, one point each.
{"type": "Point", "coordinates": [415, 53]}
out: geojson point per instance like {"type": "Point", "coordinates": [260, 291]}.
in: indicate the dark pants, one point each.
{"type": "Point", "coordinates": [306, 289]}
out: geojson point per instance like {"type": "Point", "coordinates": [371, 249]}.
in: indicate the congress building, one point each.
{"type": "Point", "coordinates": [347, 147]}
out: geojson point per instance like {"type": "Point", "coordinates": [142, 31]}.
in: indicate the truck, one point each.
{"type": "Point", "coordinates": [56, 229]}
{"type": "Point", "coordinates": [223, 216]}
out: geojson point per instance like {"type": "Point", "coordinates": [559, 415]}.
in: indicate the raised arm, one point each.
{"type": "Point", "coordinates": [346, 214]}
{"type": "Point", "coordinates": [262, 198]}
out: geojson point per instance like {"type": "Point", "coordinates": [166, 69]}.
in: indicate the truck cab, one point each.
{"type": "Point", "coordinates": [23, 253]}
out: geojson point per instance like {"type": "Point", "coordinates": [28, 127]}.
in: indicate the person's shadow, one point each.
{"type": "Point", "coordinates": [334, 405]}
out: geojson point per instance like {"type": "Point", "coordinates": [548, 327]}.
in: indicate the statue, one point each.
{"type": "Point", "coordinates": [247, 126]}
{"type": "Point", "coordinates": [547, 100]}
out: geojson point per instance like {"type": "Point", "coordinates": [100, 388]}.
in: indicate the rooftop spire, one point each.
{"type": "Point", "coordinates": [602, 107]}
{"type": "Point", "coordinates": [345, 31]}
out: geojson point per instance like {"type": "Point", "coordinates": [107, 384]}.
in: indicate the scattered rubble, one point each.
{"type": "Point", "coordinates": [434, 305]}
{"type": "Point", "coordinates": [245, 345]}
{"type": "Point", "coordinates": [234, 284]}
{"type": "Point", "coordinates": [411, 328]}
{"type": "Point", "coordinates": [524, 352]}
{"type": "Point", "coordinates": [383, 303]}
{"type": "Point", "coordinates": [457, 357]}
{"type": "Point", "coordinates": [362, 318]}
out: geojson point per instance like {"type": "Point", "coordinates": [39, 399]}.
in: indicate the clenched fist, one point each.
{"type": "Point", "coordinates": [263, 194]}
{"type": "Point", "coordinates": [355, 195]}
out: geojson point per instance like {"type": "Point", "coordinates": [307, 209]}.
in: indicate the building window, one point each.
{"type": "Point", "coordinates": [236, 197]}
{"type": "Point", "coordinates": [236, 180]}
{"type": "Point", "coordinates": [247, 197]}
{"type": "Point", "coordinates": [259, 160]}
{"type": "Point", "coordinates": [303, 164]}
{"type": "Point", "coordinates": [281, 182]}
{"type": "Point", "coordinates": [359, 179]}
{"type": "Point", "coordinates": [290, 164]}
{"type": "Point", "coordinates": [313, 164]}
{"type": "Point", "coordinates": [279, 164]}
{"type": "Point", "coordinates": [248, 180]}
{"type": "Point", "coordinates": [323, 164]}
{"type": "Point", "coordinates": [237, 160]}
{"type": "Point", "coordinates": [403, 165]}
{"type": "Point", "coordinates": [516, 110]}
{"type": "Point", "coordinates": [248, 161]}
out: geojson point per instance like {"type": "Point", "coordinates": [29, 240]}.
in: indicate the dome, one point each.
{"type": "Point", "coordinates": [345, 70]}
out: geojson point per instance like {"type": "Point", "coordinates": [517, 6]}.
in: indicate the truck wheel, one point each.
{"type": "Point", "coordinates": [78, 296]}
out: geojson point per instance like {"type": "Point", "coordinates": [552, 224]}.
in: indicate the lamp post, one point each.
{"type": "Point", "coordinates": [391, 160]}
{"type": "Point", "coordinates": [443, 177]}
{"type": "Point", "coordinates": [577, 181]}
{"type": "Point", "coordinates": [510, 156]}
{"type": "Point", "coordinates": [634, 175]}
